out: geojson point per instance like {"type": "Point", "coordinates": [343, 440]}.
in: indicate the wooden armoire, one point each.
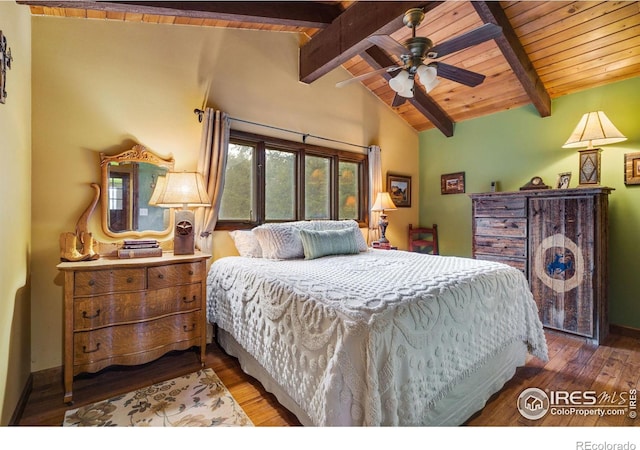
{"type": "Point", "coordinates": [558, 238]}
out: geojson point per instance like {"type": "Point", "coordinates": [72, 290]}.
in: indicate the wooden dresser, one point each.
{"type": "Point", "coordinates": [131, 311]}
{"type": "Point", "coordinates": [558, 239]}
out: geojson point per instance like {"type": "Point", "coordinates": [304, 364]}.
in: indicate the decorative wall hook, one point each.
{"type": "Point", "coordinates": [5, 63]}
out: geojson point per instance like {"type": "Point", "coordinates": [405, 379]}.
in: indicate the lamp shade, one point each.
{"type": "Point", "coordinates": [594, 128]}
{"type": "Point", "coordinates": [400, 81]}
{"type": "Point", "coordinates": [428, 78]}
{"type": "Point", "coordinates": [155, 195]}
{"type": "Point", "coordinates": [178, 189]}
{"type": "Point", "coordinates": [427, 73]}
{"type": "Point", "coordinates": [383, 202]}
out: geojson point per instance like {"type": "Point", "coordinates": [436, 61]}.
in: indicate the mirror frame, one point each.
{"type": "Point", "coordinates": [138, 153]}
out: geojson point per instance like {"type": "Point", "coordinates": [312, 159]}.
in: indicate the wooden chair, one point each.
{"type": "Point", "coordinates": [423, 239]}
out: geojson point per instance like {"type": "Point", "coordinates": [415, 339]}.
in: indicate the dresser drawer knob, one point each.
{"type": "Point", "coordinates": [184, 299]}
{"type": "Point", "coordinates": [130, 280]}
{"type": "Point", "coordinates": [87, 316]}
{"type": "Point", "coordinates": [190, 272]}
{"type": "Point", "coordinates": [92, 282]}
{"type": "Point", "coordinates": [187, 329]}
{"type": "Point", "coordinates": [161, 276]}
{"type": "Point", "coordinates": [84, 348]}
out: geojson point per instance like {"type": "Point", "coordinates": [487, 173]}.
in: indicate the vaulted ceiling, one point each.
{"type": "Point", "coordinates": [545, 49]}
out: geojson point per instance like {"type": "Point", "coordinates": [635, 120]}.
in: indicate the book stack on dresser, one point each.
{"type": "Point", "coordinates": [140, 248]}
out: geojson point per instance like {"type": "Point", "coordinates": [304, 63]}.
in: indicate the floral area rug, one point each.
{"type": "Point", "coordinates": [195, 400]}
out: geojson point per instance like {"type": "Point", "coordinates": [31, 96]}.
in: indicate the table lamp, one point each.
{"type": "Point", "coordinates": [383, 203]}
{"type": "Point", "coordinates": [182, 190]}
{"type": "Point", "coordinates": [594, 128]}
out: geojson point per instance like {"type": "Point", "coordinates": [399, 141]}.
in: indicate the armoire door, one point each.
{"type": "Point", "coordinates": [561, 245]}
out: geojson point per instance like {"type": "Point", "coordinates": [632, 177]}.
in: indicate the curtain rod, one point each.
{"type": "Point", "coordinates": [200, 114]}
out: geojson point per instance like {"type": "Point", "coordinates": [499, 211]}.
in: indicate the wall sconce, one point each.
{"type": "Point", "coordinates": [182, 190]}
{"type": "Point", "coordinates": [383, 203]}
{"type": "Point", "coordinates": [594, 128]}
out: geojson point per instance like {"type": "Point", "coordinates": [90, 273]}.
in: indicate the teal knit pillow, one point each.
{"type": "Point", "coordinates": [329, 242]}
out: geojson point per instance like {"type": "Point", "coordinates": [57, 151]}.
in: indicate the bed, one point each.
{"type": "Point", "coordinates": [374, 337]}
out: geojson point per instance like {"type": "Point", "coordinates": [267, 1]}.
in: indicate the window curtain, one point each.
{"type": "Point", "coordinates": [212, 162]}
{"type": "Point", "coordinates": [375, 186]}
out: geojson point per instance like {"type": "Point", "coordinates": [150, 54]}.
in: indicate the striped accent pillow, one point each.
{"type": "Point", "coordinates": [317, 244]}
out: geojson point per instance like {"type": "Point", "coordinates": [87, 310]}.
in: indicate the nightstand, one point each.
{"type": "Point", "coordinates": [131, 311]}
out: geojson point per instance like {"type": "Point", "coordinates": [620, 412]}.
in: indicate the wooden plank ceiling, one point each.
{"type": "Point", "coordinates": [546, 50]}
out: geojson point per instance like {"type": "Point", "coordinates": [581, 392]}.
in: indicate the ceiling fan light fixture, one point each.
{"type": "Point", "coordinates": [427, 74]}
{"type": "Point", "coordinates": [407, 92]}
{"type": "Point", "coordinates": [400, 82]}
{"type": "Point", "coordinates": [428, 77]}
{"type": "Point", "coordinates": [429, 86]}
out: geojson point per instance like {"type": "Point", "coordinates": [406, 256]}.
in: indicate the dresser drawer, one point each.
{"type": "Point", "coordinates": [111, 280]}
{"type": "Point", "coordinates": [103, 310]}
{"type": "Point", "coordinates": [508, 227]}
{"type": "Point", "coordinates": [500, 207]}
{"type": "Point", "coordinates": [518, 263]}
{"type": "Point", "coordinates": [164, 276]}
{"type": "Point", "coordinates": [501, 246]}
{"type": "Point", "coordinates": [90, 347]}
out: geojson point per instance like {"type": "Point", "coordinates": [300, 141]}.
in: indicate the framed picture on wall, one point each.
{"type": "Point", "coordinates": [452, 183]}
{"type": "Point", "coordinates": [632, 168]}
{"type": "Point", "coordinates": [564, 179]}
{"type": "Point", "coordinates": [399, 188]}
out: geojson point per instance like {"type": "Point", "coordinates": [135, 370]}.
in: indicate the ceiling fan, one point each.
{"type": "Point", "coordinates": [417, 49]}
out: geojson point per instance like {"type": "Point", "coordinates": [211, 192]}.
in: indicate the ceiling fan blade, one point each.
{"type": "Point", "coordinates": [473, 37]}
{"type": "Point", "coordinates": [462, 76]}
{"type": "Point", "coordinates": [366, 75]}
{"type": "Point", "coordinates": [389, 44]}
{"type": "Point", "coordinates": [398, 100]}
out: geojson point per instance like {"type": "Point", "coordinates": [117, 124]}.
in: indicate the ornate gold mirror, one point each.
{"type": "Point", "coordinates": [128, 180]}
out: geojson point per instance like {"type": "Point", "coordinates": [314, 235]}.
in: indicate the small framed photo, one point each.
{"type": "Point", "coordinates": [399, 188]}
{"type": "Point", "coordinates": [564, 179]}
{"type": "Point", "coordinates": [632, 168]}
{"type": "Point", "coordinates": [452, 183]}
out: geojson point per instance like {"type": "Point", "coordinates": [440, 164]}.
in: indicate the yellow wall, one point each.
{"type": "Point", "coordinates": [15, 204]}
{"type": "Point", "coordinates": [100, 86]}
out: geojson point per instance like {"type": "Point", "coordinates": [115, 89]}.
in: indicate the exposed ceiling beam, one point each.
{"type": "Point", "coordinates": [378, 59]}
{"type": "Point", "coordinates": [347, 36]}
{"type": "Point", "coordinates": [298, 14]}
{"type": "Point", "coordinates": [511, 48]}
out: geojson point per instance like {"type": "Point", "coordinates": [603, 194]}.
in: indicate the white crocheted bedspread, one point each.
{"type": "Point", "coordinates": [375, 338]}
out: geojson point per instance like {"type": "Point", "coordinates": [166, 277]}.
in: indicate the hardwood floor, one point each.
{"type": "Point", "coordinates": [612, 368]}
{"type": "Point", "coordinates": [609, 369]}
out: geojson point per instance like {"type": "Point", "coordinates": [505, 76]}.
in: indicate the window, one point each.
{"type": "Point", "coordinates": [317, 188]}
{"type": "Point", "coordinates": [238, 203]}
{"type": "Point", "coordinates": [115, 193]}
{"type": "Point", "coordinates": [274, 180]}
{"type": "Point", "coordinates": [279, 185]}
{"type": "Point", "coordinates": [348, 191]}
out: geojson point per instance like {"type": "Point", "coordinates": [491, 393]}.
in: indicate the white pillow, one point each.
{"type": "Point", "coordinates": [247, 243]}
{"type": "Point", "coordinates": [279, 240]}
{"type": "Point", "coordinates": [282, 240]}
